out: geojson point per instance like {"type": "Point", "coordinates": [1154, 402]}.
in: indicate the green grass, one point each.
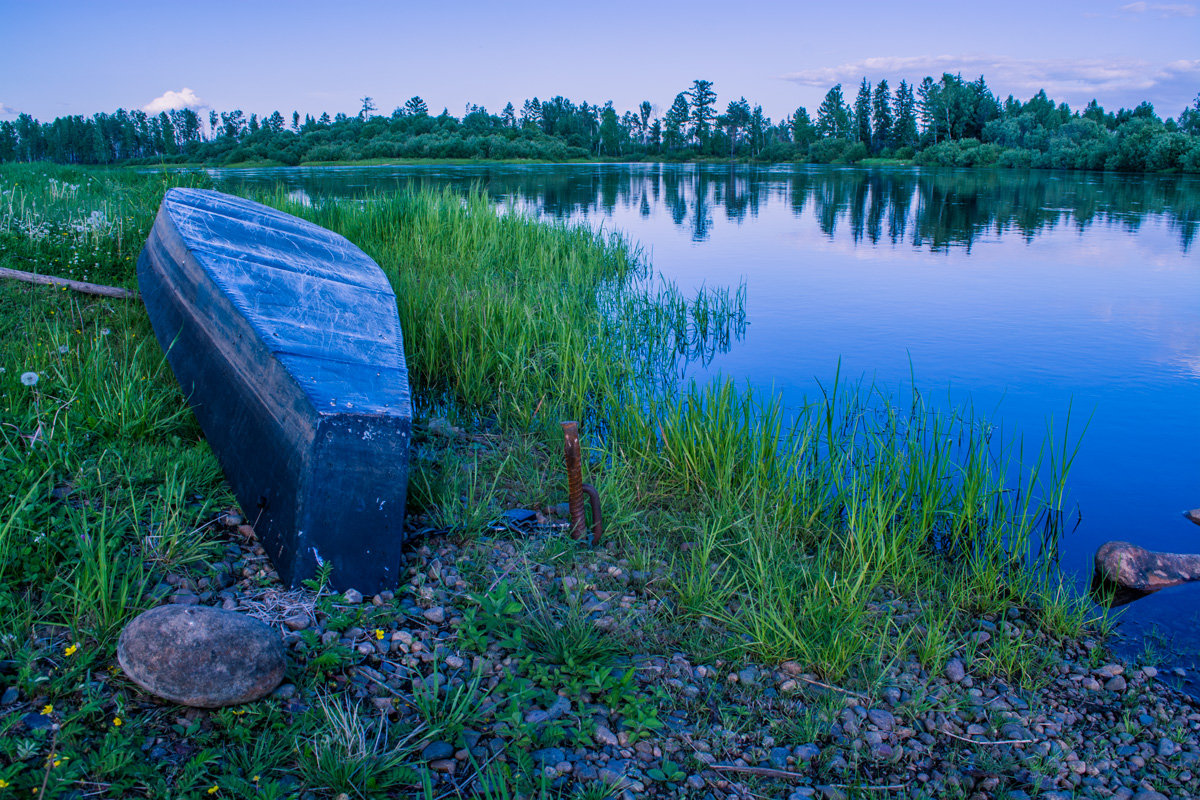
{"type": "Point", "coordinates": [788, 532]}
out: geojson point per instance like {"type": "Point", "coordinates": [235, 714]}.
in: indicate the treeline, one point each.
{"type": "Point", "coordinates": [948, 122]}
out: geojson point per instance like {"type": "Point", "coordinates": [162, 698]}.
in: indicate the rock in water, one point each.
{"type": "Point", "coordinates": [201, 656]}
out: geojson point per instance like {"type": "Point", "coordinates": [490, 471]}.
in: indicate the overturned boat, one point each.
{"type": "Point", "coordinates": [286, 340]}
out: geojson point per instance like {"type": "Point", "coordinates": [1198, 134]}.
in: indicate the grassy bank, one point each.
{"type": "Point", "coordinates": [847, 537]}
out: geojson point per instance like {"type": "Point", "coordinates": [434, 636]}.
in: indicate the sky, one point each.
{"type": "Point", "coordinates": [69, 57]}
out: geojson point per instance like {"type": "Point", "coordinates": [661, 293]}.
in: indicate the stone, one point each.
{"type": "Point", "coordinates": [955, 671]}
{"type": "Point", "coordinates": [549, 756]}
{"type": "Point", "coordinates": [806, 752]}
{"type": "Point", "coordinates": [201, 656]}
{"type": "Point", "coordinates": [37, 722]}
{"type": "Point", "coordinates": [436, 615]}
{"type": "Point", "coordinates": [297, 622]}
{"type": "Point", "coordinates": [353, 597]}
{"type": "Point", "coordinates": [605, 737]}
{"type": "Point", "coordinates": [1115, 683]}
{"type": "Point", "coordinates": [884, 720]}
{"type": "Point", "coordinates": [539, 717]}
{"type": "Point", "coordinates": [11, 695]}
{"type": "Point", "coordinates": [436, 751]}
{"type": "Point", "coordinates": [1147, 794]}
{"type": "Point", "coordinates": [613, 773]}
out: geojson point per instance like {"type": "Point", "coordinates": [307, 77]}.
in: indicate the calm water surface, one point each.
{"type": "Point", "coordinates": [1029, 295]}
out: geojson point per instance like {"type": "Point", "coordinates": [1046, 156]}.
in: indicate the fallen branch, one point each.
{"type": "Point", "coordinates": [987, 741]}
{"type": "Point", "coordinates": [765, 772]}
{"type": "Point", "coordinates": [78, 286]}
{"type": "Point", "coordinates": [815, 682]}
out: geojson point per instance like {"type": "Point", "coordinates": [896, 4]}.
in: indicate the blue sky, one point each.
{"type": "Point", "coordinates": [70, 57]}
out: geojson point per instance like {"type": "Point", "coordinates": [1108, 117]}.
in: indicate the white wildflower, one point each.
{"type": "Point", "coordinates": [29, 378]}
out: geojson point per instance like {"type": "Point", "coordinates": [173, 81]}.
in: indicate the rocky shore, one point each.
{"type": "Point", "coordinates": [645, 723]}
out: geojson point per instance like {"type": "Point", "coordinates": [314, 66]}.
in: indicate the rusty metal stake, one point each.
{"type": "Point", "coordinates": [576, 488]}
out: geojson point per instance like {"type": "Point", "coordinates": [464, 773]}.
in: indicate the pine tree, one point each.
{"type": "Point", "coordinates": [676, 118]}
{"type": "Point", "coordinates": [881, 112]}
{"type": "Point", "coordinates": [929, 107]}
{"type": "Point", "coordinates": [904, 129]}
{"type": "Point", "coordinates": [416, 107]}
{"type": "Point", "coordinates": [833, 116]}
{"type": "Point", "coordinates": [702, 115]}
{"type": "Point", "coordinates": [531, 114]}
{"type": "Point", "coordinates": [862, 114]}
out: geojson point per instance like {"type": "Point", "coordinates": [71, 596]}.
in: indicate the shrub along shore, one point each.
{"type": "Point", "coordinates": [848, 599]}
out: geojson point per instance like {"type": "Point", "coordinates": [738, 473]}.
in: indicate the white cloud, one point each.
{"type": "Point", "coordinates": [1162, 9]}
{"type": "Point", "coordinates": [1073, 80]}
{"type": "Point", "coordinates": [171, 100]}
{"type": "Point", "coordinates": [7, 111]}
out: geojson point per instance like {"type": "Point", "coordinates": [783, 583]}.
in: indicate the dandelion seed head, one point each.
{"type": "Point", "coordinates": [29, 378]}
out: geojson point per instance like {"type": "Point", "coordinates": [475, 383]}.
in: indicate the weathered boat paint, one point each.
{"type": "Point", "coordinates": [286, 340]}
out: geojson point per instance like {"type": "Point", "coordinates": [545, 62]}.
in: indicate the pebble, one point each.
{"type": "Point", "coordinates": [955, 672]}
{"type": "Point", "coordinates": [884, 720]}
{"type": "Point", "coordinates": [605, 737]}
{"type": "Point", "coordinates": [437, 750]}
{"type": "Point", "coordinates": [806, 752]}
{"type": "Point", "coordinates": [436, 615]}
{"type": "Point", "coordinates": [352, 596]}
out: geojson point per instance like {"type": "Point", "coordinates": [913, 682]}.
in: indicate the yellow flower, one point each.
{"type": "Point", "coordinates": [254, 779]}
{"type": "Point", "coordinates": [379, 633]}
{"type": "Point", "coordinates": [70, 651]}
{"type": "Point", "coordinates": [3, 783]}
{"type": "Point", "coordinates": [47, 710]}
{"type": "Point", "coordinates": [213, 789]}
{"type": "Point", "coordinates": [116, 722]}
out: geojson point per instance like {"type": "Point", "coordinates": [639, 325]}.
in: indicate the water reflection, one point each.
{"type": "Point", "coordinates": [933, 209]}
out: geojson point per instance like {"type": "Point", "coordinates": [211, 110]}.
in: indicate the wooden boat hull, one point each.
{"type": "Point", "coordinates": [286, 340]}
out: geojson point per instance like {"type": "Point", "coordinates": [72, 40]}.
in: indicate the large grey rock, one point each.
{"type": "Point", "coordinates": [201, 656]}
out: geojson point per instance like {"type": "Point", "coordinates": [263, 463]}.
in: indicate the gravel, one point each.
{"type": "Point", "coordinates": [733, 729]}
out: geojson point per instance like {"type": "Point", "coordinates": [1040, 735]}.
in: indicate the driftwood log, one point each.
{"type": "Point", "coordinates": [78, 286]}
{"type": "Point", "coordinates": [1125, 572]}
